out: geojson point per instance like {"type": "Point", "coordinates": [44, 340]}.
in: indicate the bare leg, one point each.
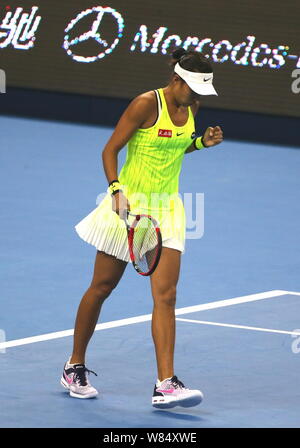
{"type": "Point", "coordinates": [163, 284]}
{"type": "Point", "coordinates": [108, 271]}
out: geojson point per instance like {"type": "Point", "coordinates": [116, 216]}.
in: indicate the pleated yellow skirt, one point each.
{"type": "Point", "coordinates": [104, 229]}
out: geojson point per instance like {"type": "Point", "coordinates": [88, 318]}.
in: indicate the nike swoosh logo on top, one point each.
{"type": "Point", "coordinates": [68, 379]}
{"type": "Point", "coordinates": [179, 134]}
{"type": "Point", "coordinates": [206, 79]}
{"type": "Point", "coordinates": [165, 391]}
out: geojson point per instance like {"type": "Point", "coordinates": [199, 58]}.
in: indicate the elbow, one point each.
{"type": "Point", "coordinates": [105, 152]}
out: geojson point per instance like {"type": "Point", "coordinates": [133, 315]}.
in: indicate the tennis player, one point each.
{"type": "Point", "coordinates": [159, 128]}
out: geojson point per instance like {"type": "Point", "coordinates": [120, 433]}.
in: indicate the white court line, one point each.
{"type": "Point", "coordinates": [147, 317]}
{"type": "Point", "coordinates": [268, 330]}
{"type": "Point", "coordinates": [292, 292]}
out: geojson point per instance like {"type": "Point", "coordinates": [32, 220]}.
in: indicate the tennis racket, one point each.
{"type": "Point", "coordinates": [145, 243]}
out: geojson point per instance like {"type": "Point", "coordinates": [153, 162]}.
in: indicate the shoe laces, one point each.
{"type": "Point", "coordinates": [176, 383]}
{"type": "Point", "coordinates": [80, 374]}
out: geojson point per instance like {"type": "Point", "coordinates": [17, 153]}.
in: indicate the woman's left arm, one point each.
{"type": "Point", "coordinates": [212, 136]}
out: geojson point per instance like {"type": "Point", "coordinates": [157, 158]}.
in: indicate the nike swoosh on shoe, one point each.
{"type": "Point", "coordinates": [165, 391]}
{"type": "Point", "coordinates": [68, 379]}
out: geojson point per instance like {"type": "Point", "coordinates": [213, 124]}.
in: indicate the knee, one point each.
{"type": "Point", "coordinates": [102, 290]}
{"type": "Point", "coordinates": [166, 297]}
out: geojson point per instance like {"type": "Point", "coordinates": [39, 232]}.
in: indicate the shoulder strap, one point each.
{"type": "Point", "coordinates": [159, 104]}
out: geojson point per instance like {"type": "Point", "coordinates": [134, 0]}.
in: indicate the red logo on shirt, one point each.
{"type": "Point", "coordinates": [165, 133]}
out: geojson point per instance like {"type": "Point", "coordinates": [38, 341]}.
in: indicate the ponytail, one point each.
{"type": "Point", "coordinates": [177, 55]}
{"type": "Point", "coordinates": [191, 60]}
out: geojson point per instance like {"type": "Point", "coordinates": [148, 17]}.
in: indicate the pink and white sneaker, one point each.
{"type": "Point", "coordinates": [171, 392]}
{"type": "Point", "coordinates": [75, 379]}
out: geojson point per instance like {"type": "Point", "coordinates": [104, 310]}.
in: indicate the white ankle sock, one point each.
{"type": "Point", "coordinates": [68, 362]}
{"type": "Point", "coordinates": [158, 383]}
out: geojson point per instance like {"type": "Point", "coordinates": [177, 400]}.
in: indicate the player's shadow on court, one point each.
{"type": "Point", "coordinates": [176, 415]}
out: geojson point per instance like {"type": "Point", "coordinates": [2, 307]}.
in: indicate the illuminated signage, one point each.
{"type": "Point", "coordinates": [18, 29]}
{"type": "Point", "coordinates": [121, 49]}
{"type": "Point", "coordinates": [94, 33]}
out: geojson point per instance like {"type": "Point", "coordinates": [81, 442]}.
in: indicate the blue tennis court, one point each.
{"type": "Point", "coordinates": [238, 295]}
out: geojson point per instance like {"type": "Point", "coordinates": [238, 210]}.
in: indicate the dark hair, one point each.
{"type": "Point", "coordinates": [193, 61]}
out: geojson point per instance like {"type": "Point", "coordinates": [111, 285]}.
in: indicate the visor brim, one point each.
{"type": "Point", "coordinates": [202, 89]}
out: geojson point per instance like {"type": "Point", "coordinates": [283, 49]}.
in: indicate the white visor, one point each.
{"type": "Point", "coordinates": [200, 83]}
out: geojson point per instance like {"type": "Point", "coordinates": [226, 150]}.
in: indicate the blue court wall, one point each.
{"type": "Point", "coordinates": [236, 125]}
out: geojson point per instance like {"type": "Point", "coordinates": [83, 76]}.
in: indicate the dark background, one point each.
{"type": "Point", "coordinates": [254, 103]}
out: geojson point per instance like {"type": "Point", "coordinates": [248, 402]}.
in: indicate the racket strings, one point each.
{"type": "Point", "coordinates": [145, 244]}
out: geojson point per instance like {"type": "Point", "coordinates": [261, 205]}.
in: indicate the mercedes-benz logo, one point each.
{"type": "Point", "coordinates": [93, 33]}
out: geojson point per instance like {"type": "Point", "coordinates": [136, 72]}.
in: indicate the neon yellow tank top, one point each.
{"type": "Point", "coordinates": [154, 155]}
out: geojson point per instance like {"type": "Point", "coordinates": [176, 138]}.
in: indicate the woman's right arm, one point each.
{"type": "Point", "coordinates": [133, 117]}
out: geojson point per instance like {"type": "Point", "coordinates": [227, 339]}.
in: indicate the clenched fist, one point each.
{"type": "Point", "coordinates": [213, 136]}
